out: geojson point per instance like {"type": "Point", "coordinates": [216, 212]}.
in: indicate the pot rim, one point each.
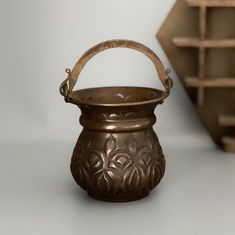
{"type": "Point", "coordinates": [78, 101]}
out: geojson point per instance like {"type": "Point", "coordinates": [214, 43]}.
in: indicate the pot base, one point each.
{"type": "Point", "coordinates": [120, 199]}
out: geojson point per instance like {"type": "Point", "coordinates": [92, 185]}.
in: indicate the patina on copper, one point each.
{"type": "Point", "coordinates": [117, 156]}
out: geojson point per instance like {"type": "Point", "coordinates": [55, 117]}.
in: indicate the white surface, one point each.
{"type": "Point", "coordinates": [38, 195]}
{"type": "Point", "coordinates": [39, 39]}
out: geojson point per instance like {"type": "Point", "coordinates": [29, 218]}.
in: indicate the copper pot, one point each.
{"type": "Point", "coordinates": [117, 156]}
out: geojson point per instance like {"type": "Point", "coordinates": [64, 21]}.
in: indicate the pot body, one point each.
{"type": "Point", "coordinates": [118, 156]}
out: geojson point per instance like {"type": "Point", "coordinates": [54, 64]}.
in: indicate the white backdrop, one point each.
{"type": "Point", "coordinates": [39, 39]}
{"type": "Point", "coordinates": [38, 130]}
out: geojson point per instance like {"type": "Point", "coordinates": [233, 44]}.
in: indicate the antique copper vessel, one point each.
{"type": "Point", "coordinates": [117, 156]}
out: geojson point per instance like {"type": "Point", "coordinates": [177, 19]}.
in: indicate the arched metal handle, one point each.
{"type": "Point", "coordinates": [67, 86]}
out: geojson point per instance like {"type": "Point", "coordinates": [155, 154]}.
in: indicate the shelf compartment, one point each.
{"type": "Point", "coordinates": [207, 43]}
{"type": "Point", "coordinates": [211, 3]}
{"type": "Point", "coordinates": [210, 83]}
{"type": "Point", "coordinates": [229, 144]}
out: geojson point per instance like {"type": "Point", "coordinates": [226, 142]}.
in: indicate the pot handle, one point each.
{"type": "Point", "coordinates": [68, 85]}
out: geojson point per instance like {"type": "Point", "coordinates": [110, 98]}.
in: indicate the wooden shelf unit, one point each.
{"type": "Point", "coordinates": [202, 43]}
{"type": "Point", "coordinates": [200, 82]}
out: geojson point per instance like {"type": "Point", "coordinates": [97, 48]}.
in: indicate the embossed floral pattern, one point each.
{"type": "Point", "coordinates": [116, 116]}
{"type": "Point", "coordinates": [114, 169]}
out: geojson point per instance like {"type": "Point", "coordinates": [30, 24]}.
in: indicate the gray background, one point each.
{"type": "Point", "coordinates": [39, 39]}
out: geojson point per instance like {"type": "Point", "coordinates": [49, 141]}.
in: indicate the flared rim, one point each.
{"type": "Point", "coordinates": [117, 96]}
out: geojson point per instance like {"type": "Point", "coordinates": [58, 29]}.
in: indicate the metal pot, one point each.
{"type": "Point", "coordinates": [117, 156]}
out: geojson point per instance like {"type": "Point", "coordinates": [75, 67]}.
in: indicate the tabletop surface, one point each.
{"type": "Point", "coordinates": [39, 196]}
